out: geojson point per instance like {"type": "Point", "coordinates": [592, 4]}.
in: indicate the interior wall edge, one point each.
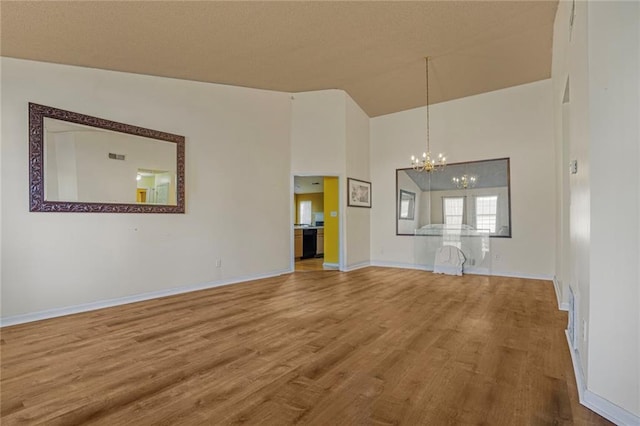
{"type": "Point", "coordinates": [594, 402]}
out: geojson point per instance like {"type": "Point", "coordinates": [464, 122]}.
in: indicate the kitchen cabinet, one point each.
{"type": "Point", "coordinates": [297, 239]}
{"type": "Point", "coordinates": [320, 242]}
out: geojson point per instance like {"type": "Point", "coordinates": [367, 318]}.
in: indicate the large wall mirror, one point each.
{"type": "Point", "coordinates": [473, 196]}
{"type": "Point", "coordinates": [79, 163]}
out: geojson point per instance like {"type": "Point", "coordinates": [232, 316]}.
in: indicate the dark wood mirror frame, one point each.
{"type": "Point", "coordinates": [37, 202]}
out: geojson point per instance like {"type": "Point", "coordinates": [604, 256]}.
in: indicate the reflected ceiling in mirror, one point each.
{"type": "Point", "coordinates": [80, 163]}
{"type": "Point", "coordinates": [472, 197]}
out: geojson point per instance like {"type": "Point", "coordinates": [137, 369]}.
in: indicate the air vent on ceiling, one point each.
{"type": "Point", "coordinates": [116, 156]}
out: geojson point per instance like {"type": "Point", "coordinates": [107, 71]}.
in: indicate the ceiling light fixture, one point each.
{"type": "Point", "coordinates": [464, 181]}
{"type": "Point", "coordinates": [427, 163]}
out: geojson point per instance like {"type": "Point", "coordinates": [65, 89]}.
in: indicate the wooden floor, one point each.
{"type": "Point", "coordinates": [313, 264]}
{"type": "Point", "coordinates": [372, 346]}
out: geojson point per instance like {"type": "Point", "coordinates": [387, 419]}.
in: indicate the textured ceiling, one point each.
{"type": "Point", "coordinates": [373, 50]}
{"type": "Point", "coordinates": [489, 174]}
{"type": "Point", "coordinates": [308, 184]}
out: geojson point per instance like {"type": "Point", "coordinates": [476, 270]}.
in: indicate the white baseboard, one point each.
{"type": "Point", "coordinates": [563, 306]}
{"type": "Point", "coordinates": [512, 274]}
{"type": "Point", "coordinates": [399, 265]}
{"type": "Point", "coordinates": [470, 270]}
{"type": "Point", "coordinates": [330, 266]}
{"type": "Point", "coordinates": [92, 306]}
{"type": "Point", "coordinates": [605, 408]}
{"type": "Point", "coordinates": [355, 266]}
{"type": "Point", "coordinates": [475, 270]}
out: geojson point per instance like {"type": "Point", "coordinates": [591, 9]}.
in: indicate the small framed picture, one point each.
{"type": "Point", "coordinates": [407, 205]}
{"type": "Point", "coordinates": [358, 193]}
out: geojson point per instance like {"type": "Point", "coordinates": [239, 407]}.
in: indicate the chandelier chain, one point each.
{"type": "Point", "coordinates": [428, 163]}
{"type": "Point", "coordinates": [427, 79]}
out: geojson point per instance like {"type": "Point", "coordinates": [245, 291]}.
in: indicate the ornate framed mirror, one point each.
{"type": "Point", "coordinates": [84, 164]}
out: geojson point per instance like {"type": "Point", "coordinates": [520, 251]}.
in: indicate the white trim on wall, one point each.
{"type": "Point", "coordinates": [342, 222]}
{"type": "Point", "coordinates": [92, 306]}
{"type": "Point", "coordinates": [596, 403]}
{"type": "Point", "coordinates": [470, 271]}
{"type": "Point", "coordinates": [563, 306]}
{"type": "Point", "coordinates": [513, 274]}
{"type": "Point", "coordinates": [384, 264]}
{"type": "Point", "coordinates": [357, 266]}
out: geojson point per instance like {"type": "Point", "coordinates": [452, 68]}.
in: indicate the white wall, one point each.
{"type": "Point", "coordinates": [394, 138]}
{"type": "Point", "coordinates": [1, 191]}
{"type": "Point", "coordinates": [358, 233]}
{"type": "Point", "coordinates": [237, 140]}
{"type": "Point", "coordinates": [614, 110]}
{"type": "Point", "coordinates": [601, 59]}
{"type": "Point", "coordinates": [318, 133]}
{"type": "Point", "coordinates": [513, 122]}
{"type": "Point", "coordinates": [330, 137]}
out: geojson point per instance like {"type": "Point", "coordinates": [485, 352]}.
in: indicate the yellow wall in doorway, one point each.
{"type": "Point", "coordinates": [331, 223]}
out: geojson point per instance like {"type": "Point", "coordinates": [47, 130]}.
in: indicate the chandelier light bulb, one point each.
{"type": "Point", "coordinates": [464, 181]}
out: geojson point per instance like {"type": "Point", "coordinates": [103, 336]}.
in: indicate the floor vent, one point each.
{"type": "Point", "coordinates": [571, 328]}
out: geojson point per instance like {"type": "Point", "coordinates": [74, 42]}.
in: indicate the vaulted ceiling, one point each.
{"type": "Point", "coordinates": [373, 50]}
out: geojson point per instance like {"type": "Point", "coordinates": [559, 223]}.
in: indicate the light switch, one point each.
{"type": "Point", "coordinates": [573, 167]}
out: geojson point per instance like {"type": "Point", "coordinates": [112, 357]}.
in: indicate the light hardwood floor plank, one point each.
{"type": "Point", "coordinates": [372, 346]}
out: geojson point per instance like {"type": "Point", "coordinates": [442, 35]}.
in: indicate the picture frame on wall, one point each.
{"type": "Point", "coordinates": [407, 205]}
{"type": "Point", "coordinates": [358, 193]}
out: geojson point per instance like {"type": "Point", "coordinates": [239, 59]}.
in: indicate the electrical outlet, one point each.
{"type": "Point", "coordinates": [219, 263]}
{"type": "Point", "coordinates": [496, 257]}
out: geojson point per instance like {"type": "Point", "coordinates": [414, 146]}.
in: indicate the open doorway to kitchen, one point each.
{"type": "Point", "coordinates": [316, 223]}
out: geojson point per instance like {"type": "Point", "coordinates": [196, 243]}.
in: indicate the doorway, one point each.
{"type": "Point", "coordinates": [316, 225]}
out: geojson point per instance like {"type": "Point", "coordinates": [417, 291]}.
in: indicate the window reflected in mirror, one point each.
{"type": "Point", "coordinates": [471, 198]}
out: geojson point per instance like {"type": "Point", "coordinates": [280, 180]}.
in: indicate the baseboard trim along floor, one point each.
{"type": "Point", "coordinates": [100, 304]}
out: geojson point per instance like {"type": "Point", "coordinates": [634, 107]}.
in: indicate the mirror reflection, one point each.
{"type": "Point", "coordinates": [84, 164]}
{"type": "Point", "coordinates": [91, 165]}
{"type": "Point", "coordinates": [472, 197]}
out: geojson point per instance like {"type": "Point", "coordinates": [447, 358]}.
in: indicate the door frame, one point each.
{"type": "Point", "coordinates": [341, 216]}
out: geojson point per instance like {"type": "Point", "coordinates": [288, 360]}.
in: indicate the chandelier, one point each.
{"type": "Point", "coordinates": [428, 163]}
{"type": "Point", "coordinates": [464, 181]}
